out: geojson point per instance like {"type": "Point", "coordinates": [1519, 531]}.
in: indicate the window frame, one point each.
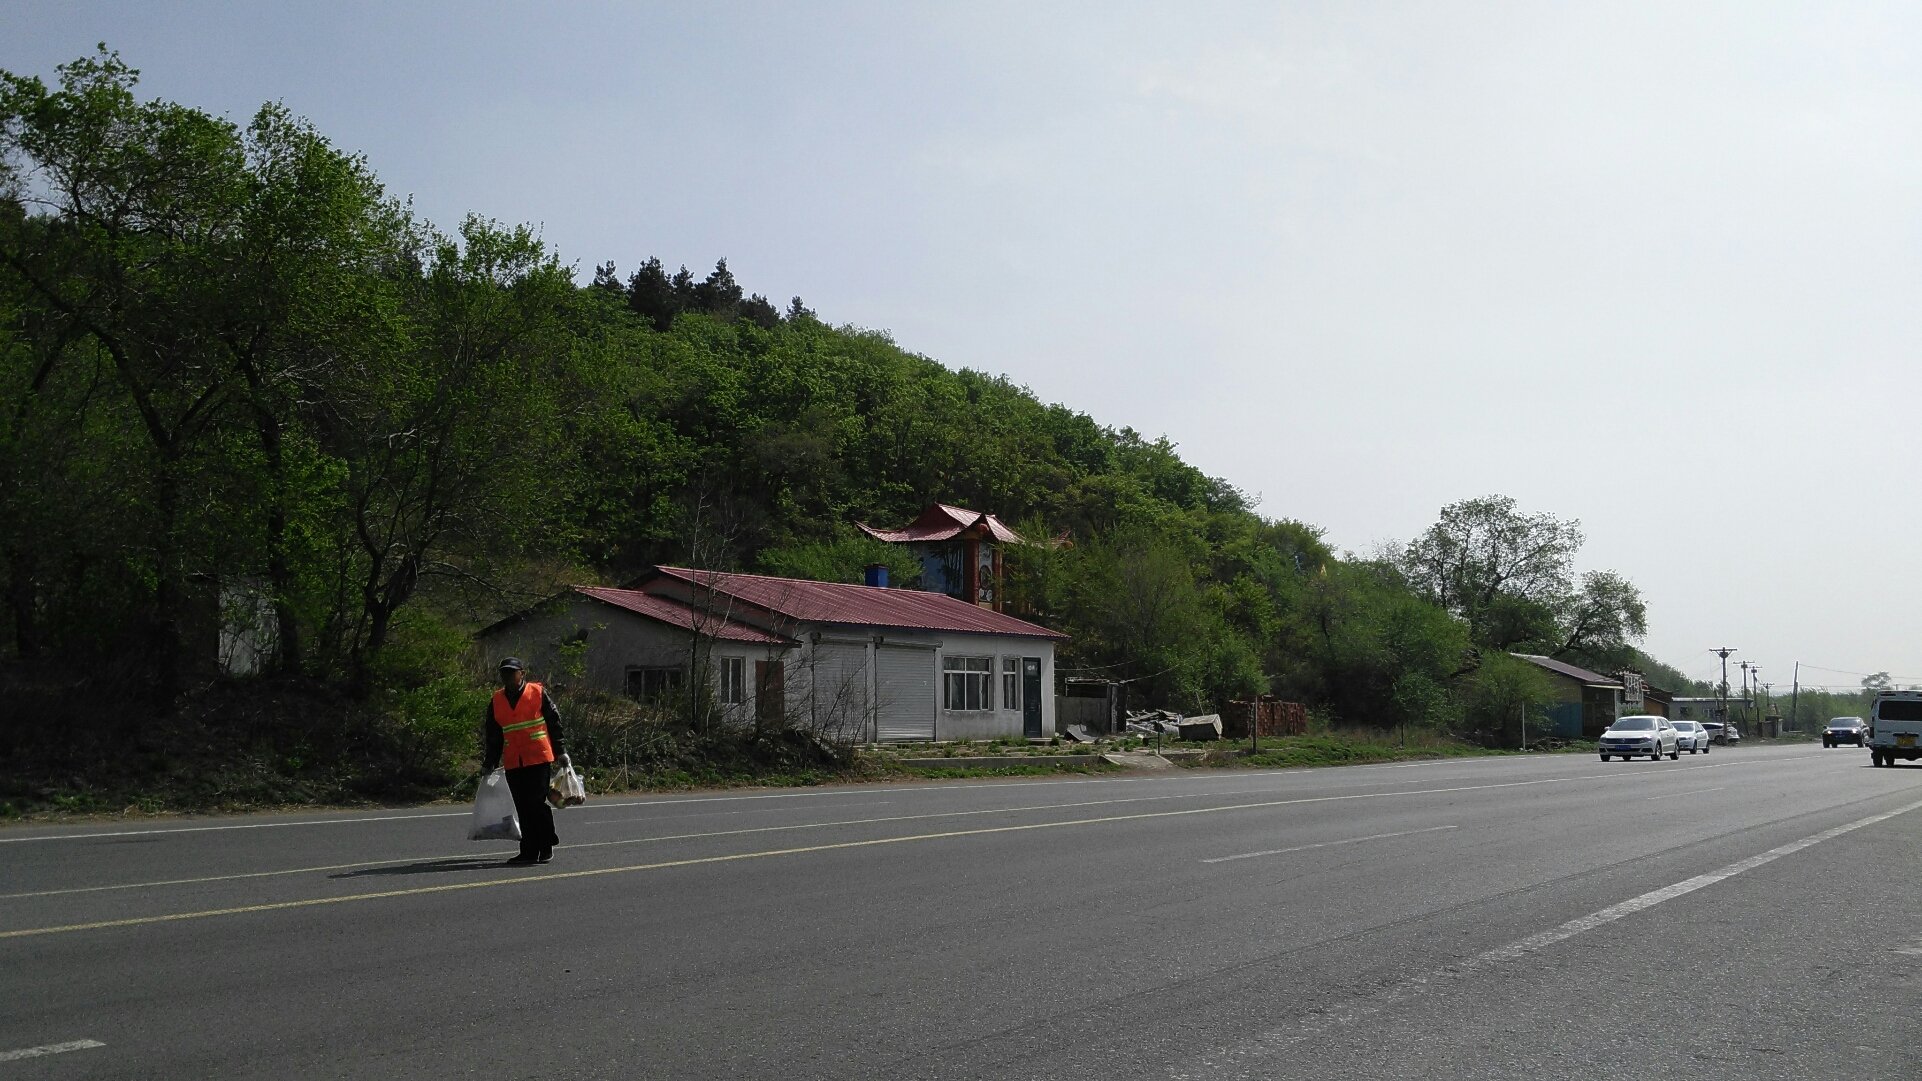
{"type": "Point", "coordinates": [671, 679]}
{"type": "Point", "coordinates": [1011, 683]}
{"type": "Point", "coordinates": [733, 681]}
{"type": "Point", "coordinates": [963, 678]}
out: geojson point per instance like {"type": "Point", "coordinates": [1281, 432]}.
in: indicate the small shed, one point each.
{"type": "Point", "coordinates": [1585, 702]}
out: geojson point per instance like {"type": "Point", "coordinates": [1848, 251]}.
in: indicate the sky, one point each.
{"type": "Point", "coordinates": [1649, 266]}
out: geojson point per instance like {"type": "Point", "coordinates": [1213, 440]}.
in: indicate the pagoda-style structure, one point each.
{"type": "Point", "coordinates": [959, 551]}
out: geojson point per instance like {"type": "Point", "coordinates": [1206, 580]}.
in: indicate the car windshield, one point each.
{"type": "Point", "coordinates": [1685, 726]}
{"type": "Point", "coordinates": [1845, 722]}
{"type": "Point", "coordinates": [1635, 724]}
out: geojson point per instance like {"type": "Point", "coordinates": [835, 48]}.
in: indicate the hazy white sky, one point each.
{"type": "Point", "coordinates": [1651, 266]}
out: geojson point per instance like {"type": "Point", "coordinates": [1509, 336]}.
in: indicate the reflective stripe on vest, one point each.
{"type": "Point", "coordinates": [523, 729]}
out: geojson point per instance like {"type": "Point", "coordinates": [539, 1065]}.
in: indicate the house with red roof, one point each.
{"type": "Point", "coordinates": [854, 662]}
{"type": "Point", "coordinates": [959, 551]}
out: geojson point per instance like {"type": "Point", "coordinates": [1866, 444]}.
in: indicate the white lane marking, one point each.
{"type": "Point", "coordinates": [1214, 794]}
{"type": "Point", "coordinates": [1253, 1058]}
{"type": "Point", "coordinates": [1326, 844]}
{"type": "Point", "coordinates": [49, 1049]}
{"type": "Point", "coordinates": [1652, 898]}
{"type": "Point", "coordinates": [679, 801]}
{"type": "Point", "coordinates": [1690, 792]}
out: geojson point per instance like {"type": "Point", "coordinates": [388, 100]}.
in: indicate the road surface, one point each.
{"type": "Point", "coordinates": [1752, 913]}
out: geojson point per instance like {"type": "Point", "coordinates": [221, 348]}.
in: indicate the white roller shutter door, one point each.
{"type": "Point", "coordinates": [839, 693]}
{"type": "Point", "coordinates": [905, 684]}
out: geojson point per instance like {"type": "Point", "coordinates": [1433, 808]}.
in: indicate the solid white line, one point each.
{"type": "Point", "coordinates": [1252, 1059]}
{"type": "Point", "coordinates": [1690, 792]}
{"type": "Point", "coordinates": [1574, 927]}
{"type": "Point", "coordinates": [49, 1049]}
{"type": "Point", "coordinates": [1327, 844]}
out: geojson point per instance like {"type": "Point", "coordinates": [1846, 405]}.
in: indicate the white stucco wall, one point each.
{"type": "Point", "coordinates": [830, 682]}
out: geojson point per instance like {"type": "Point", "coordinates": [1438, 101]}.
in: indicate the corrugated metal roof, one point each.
{"type": "Point", "coordinates": [943, 522]}
{"type": "Point", "coordinates": [871, 606]}
{"type": "Point", "coordinates": [674, 612]}
{"type": "Point", "coordinates": [1566, 669]}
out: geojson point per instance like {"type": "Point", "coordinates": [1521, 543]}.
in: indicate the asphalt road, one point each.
{"type": "Point", "coordinates": [1753, 913]}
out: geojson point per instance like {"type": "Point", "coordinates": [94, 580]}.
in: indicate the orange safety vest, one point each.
{"type": "Point", "coordinates": [523, 729]}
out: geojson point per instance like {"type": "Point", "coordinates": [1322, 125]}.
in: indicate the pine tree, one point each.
{"type": "Point", "coordinates": [797, 311]}
{"type": "Point", "coordinates": [652, 296]}
{"type": "Point", "coordinates": [757, 310]}
{"type": "Point", "coordinates": [720, 294]}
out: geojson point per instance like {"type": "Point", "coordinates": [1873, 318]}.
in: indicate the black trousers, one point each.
{"type": "Point", "coordinates": [529, 786]}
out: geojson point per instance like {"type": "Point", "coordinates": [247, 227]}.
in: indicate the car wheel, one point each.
{"type": "Point", "coordinates": [1675, 755]}
{"type": "Point", "coordinates": [1604, 758]}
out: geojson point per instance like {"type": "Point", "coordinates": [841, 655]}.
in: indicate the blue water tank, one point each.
{"type": "Point", "coordinates": [877, 574]}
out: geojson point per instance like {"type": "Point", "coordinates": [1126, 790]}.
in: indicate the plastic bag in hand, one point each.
{"type": "Point", "coordinates": [566, 789]}
{"type": "Point", "coordinates": [494, 818]}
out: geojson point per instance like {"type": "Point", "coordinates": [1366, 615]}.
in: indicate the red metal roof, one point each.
{"type": "Point", "coordinates": [674, 612]}
{"type": "Point", "coordinates": [943, 522]}
{"type": "Point", "coordinates": [869, 606]}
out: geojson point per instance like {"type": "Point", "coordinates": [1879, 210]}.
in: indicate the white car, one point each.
{"type": "Point", "coordinates": [1642, 734]}
{"type": "Point", "coordinates": [1690, 737]}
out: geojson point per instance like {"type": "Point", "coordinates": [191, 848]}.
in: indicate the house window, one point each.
{"type": "Point", "coordinates": [1010, 683]}
{"type": "Point", "coordinates": [733, 680]}
{"type": "Point", "coordinates": [653, 684]}
{"type": "Point", "coordinates": [967, 683]}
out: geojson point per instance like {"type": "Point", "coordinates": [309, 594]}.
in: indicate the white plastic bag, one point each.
{"type": "Point", "coordinates": [494, 818]}
{"type": "Point", "coordinates": [566, 788]}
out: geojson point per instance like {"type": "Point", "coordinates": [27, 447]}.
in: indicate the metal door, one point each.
{"type": "Point", "coordinates": [904, 706]}
{"type": "Point", "coordinates": [1031, 697]}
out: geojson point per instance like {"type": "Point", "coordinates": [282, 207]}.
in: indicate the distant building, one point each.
{"type": "Point", "coordinates": [1701, 709]}
{"type": "Point", "coordinates": [1585, 702]}
{"type": "Point", "coordinates": [959, 551]}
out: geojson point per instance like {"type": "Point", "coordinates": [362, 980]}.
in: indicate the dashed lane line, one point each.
{"type": "Point", "coordinates": [1326, 844]}
{"type": "Point", "coordinates": [49, 1049]}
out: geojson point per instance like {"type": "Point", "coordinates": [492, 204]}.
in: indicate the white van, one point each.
{"type": "Point", "coordinates": [1895, 727]}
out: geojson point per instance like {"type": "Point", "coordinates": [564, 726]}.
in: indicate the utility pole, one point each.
{"type": "Point", "coordinates": [1795, 698]}
{"type": "Point", "coordinates": [1755, 705]}
{"type": "Point", "coordinates": [1723, 653]}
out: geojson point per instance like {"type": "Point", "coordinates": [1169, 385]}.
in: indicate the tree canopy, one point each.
{"type": "Point", "coordinates": [236, 367]}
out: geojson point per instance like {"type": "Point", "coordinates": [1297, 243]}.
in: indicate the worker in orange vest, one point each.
{"type": "Point", "coordinates": [523, 732]}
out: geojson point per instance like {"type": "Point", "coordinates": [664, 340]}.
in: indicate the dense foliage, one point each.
{"type": "Point", "coordinates": [243, 385]}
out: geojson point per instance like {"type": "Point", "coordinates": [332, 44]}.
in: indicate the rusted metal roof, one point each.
{"type": "Point", "coordinates": [1575, 672]}
{"type": "Point", "coordinates": [679, 614]}
{"type": "Point", "coordinates": [868, 606]}
{"type": "Point", "coordinates": [943, 522]}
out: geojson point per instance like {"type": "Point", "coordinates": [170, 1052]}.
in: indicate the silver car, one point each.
{"type": "Point", "coordinates": [1642, 734]}
{"type": "Point", "coordinates": [1690, 737]}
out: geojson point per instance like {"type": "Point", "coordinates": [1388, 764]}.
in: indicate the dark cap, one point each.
{"type": "Point", "coordinates": [512, 662]}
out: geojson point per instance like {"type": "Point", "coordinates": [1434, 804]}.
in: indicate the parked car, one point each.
{"type": "Point", "coordinates": [1722, 733]}
{"type": "Point", "coordinates": [1638, 735]}
{"type": "Point", "coordinates": [1845, 730]}
{"type": "Point", "coordinates": [1690, 737]}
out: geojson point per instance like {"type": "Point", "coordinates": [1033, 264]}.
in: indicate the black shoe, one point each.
{"type": "Point", "coordinates": [522, 860]}
{"type": "Point", "coordinates": [546, 855]}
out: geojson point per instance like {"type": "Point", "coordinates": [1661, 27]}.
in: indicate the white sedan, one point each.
{"type": "Point", "coordinates": [1690, 737]}
{"type": "Point", "coordinates": [1631, 737]}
